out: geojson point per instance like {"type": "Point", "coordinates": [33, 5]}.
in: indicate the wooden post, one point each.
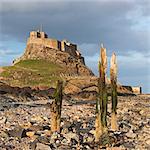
{"type": "Point", "coordinates": [55, 108]}
{"type": "Point", "coordinates": [101, 103]}
{"type": "Point", "coordinates": [113, 78]}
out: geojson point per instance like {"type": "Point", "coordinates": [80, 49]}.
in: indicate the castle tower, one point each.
{"type": "Point", "coordinates": [33, 34]}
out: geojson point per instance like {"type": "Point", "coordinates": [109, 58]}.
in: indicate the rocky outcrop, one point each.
{"type": "Point", "coordinates": [73, 66]}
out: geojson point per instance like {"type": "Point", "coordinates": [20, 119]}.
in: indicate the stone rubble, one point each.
{"type": "Point", "coordinates": [25, 127]}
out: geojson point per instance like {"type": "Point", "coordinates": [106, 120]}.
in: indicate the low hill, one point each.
{"type": "Point", "coordinates": [32, 73]}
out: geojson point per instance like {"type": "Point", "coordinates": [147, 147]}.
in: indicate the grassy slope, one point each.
{"type": "Point", "coordinates": [32, 73]}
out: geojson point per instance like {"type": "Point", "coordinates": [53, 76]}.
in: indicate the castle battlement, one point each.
{"type": "Point", "coordinates": [41, 38]}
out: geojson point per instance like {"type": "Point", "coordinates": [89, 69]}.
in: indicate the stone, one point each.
{"type": "Point", "coordinates": [130, 134]}
{"type": "Point", "coordinates": [44, 140]}
{"type": "Point", "coordinates": [114, 148]}
{"type": "Point", "coordinates": [92, 132]}
{"type": "Point", "coordinates": [148, 141]}
{"type": "Point", "coordinates": [36, 127]}
{"type": "Point", "coordinates": [129, 145]}
{"type": "Point", "coordinates": [1, 108]}
{"type": "Point", "coordinates": [40, 146]}
{"type": "Point", "coordinates": [90, 139]}
{"type": "Point", "coordinates": [17, 132]}
{"type": "Point", "coordinates": [32, 145]}
{"type": "Point", "coordinates": [142, 112]}
{"type": "Point", "coordinates": [26, 125]}
{"type": "Point", "coordinates": [3, 120]}
{"type": "Point", "coordinates": [3, 134]}
{"type": "Point", "coordinates": [64, 141]}
{"type": "Point", "coordinates": [36, 119]}
{"type": "Point", "coordinates": [54, 136]}
{"type": "Point", "coordinates": [30, 134]}
{"type": "Point", "coordinates": [47, 132]}
{"type": "Point", "coordinates": [70, 136]}
{"type": "Point", "coordinates": [64, 130]}
{"type": "Point", "coordinates": [73, 141]}
{"type": "Point", "coordinates": [57, 142]}
{"type": "Point", "coordinates": [53, 146]}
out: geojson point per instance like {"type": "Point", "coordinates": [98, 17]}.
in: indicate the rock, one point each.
{"type": "Point", "coordinates": [129, 145]}
{"type": "Point", "coordinates": [64, 141]}
{"type": "Point", "coordinates": [3, 120]}
{"type": "Point", "coordinates": [36, 119]}
{"type": "Point", "coordinates": [92, 132]}
{"type": "Point", "coordinates": [44, 140]}
{"type": "Point", "coordinates": [8, 146]}
{"type": "Point", "coordinates": [57, 142]}
{"type": "Point", "coordinates": [148, 141]}
{"type": "Point", "coordinates": [70, 136]}
{"type": "Point", "coordinates": [64, 130]}
{"type": "Point", "coordinates": [73, 142]}
{"type": "Point", "coordinates": [30, 134]}
{"type": "Point", "coordinates": [40, 146]}
{"type": "Point", "coordinates": [1, 108]}
{"type": "Point", "coordinates": [32, 145]}
{"type": "Point", "coordinates": [88, 137]}
{"type": "Point", "coordinates": [36, 127]}
{"type": "Point", "coordinates": [53, 146]}
{"type": "Point", "coordinates": [130, 134]}
{"type": "Point", "coordinates": [54, 136]}
{"type": "Point", "coordinates": [114, 148]}
{"type": "Point", "coordinates": [3, 134]}
{"type": "Point", "coordinates": [26, 125]}
{"type": "Point", "coordinates": [47, 132]}
{"type": "Point", "coordinates": [17, 132]}
{"type": "Point", "coordinates": [84, 125]}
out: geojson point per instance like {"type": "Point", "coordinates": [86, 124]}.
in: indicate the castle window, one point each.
{"type": "Point", "coordinates": [38, 35]}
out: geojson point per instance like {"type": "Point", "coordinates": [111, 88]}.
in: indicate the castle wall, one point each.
{"type": "Point", "coordinates": [51, 43]}
{"type": "Point", "coordinates": [133, 89]}
{"type": "Point", "coordinates": [137, 90]}
{"type": "Point", "coordinates": [41, 38]}
{"type": "Point", "coordinates": [69, 48]}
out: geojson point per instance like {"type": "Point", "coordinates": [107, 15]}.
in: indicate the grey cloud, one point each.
{"type": "Point", "coordinates": [118, 24]}
{"type": "Point", "coordinates": [81, 22]}
{"type": "Point", "coordinates": [132, 69]}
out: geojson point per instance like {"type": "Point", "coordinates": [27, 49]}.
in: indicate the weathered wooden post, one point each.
{"type": "Point", "coordinates": [102, 99]}
{"type": "Point", "coordinates": [55, 108]}
{"type": "Point", "coordinates": [113, 78]}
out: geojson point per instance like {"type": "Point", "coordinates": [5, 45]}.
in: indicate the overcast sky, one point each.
{"type": "Point", "coordinates": [122, 25]}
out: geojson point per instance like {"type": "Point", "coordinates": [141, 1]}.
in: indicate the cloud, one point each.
{"type": "Point", "coordinates": [111, 22]}
{"type": "Point", "coordinates": [122, 25]}
{"type": "Point", "coordinates": [132, 68]}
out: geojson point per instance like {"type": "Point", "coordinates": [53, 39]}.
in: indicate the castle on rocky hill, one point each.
{"type": "Point", "coordinates": [63, 53]}
{"type": "Point", "coordinates": [40, 37]}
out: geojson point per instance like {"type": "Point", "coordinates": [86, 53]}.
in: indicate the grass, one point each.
{"type": "Point", "coordinates": [32, 73]}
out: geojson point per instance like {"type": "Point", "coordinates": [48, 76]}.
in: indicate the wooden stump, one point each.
{"type": "Point", "coordinates": [55, 108]}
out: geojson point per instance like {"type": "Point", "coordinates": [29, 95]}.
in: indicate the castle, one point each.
{"type": "Point", "coordinates": [41, 38]}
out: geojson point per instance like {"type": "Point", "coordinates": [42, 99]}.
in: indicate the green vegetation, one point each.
{"type": "Point", "coordinates": [32, 73]}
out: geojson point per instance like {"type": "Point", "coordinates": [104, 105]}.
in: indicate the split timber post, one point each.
{"type": "Point", "coordinates": [102, 99]}
{"type": "Point", "coordinates": [55, 108]}
{"type": "Point", "coordinates": [113, 79]}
